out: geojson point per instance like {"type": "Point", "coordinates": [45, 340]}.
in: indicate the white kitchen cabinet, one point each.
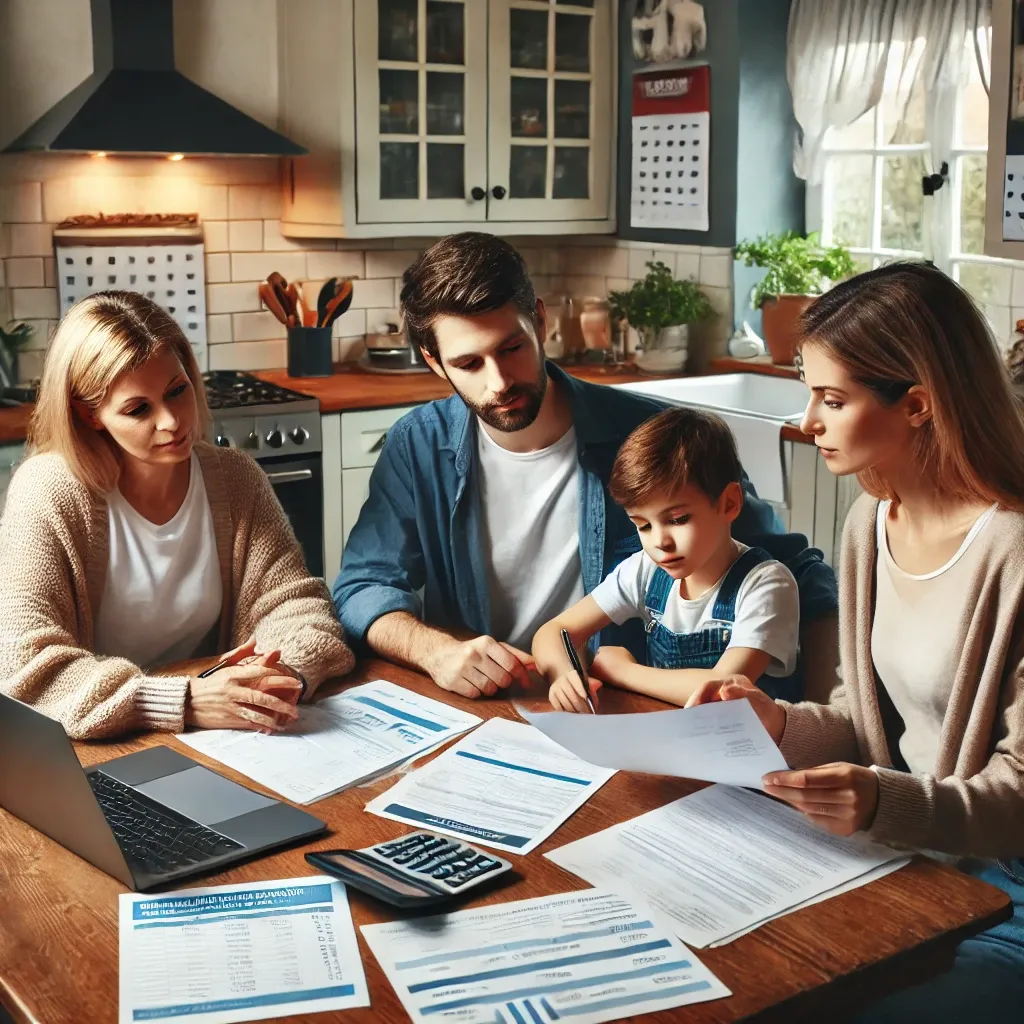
{"type": "Point", "coordinates": [355, 489]}
{"type": "Point", "coordinates": [424, 117]}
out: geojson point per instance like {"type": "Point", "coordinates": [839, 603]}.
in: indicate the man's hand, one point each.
{"type": "Point", "coordinates": [772, 715]}
{"type": "Point", "coordinates": [479, 667]}
{"type": "Point", "coordinates": [840, 798]}
{"type": "Point", "coordinates": [612, 665]}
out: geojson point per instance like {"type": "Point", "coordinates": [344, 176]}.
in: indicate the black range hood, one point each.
{"type": "Point", "coordinates": [135, 101]}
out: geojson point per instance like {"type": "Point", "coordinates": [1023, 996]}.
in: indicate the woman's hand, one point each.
{"type": "Point", "coordinates": [243, 696]}
{"type": "Point", "coordinates": [841, 798]}
{"type": "Point", "coordinates": [772, 715]}
{"type": "Point", "coordinates": [567, 693]}
{"type": "Point", "coordinates": [612, 665]}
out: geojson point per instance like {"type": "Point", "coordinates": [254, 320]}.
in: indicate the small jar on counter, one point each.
{"type": "Point", "coordinates": [596, 324]}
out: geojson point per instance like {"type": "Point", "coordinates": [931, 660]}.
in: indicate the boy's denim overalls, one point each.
{"type": "Point", "coordinates": [702, 649]}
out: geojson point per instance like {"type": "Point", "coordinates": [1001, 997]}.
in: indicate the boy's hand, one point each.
{"type": "Point", "coordinates": [612, 664]}
{"type": "Point", "coordinates": [567, 693]}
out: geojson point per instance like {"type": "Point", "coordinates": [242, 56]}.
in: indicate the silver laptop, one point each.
{"type": "Point", "coordinates": [146, 818]}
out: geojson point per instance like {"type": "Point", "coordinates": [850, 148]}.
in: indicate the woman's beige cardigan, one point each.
{"type": "Point", "coordinates": [53, 564]}
{"type": "Point", "coordinates": [972, 804]}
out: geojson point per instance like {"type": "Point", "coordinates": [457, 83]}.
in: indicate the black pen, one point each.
{"type": "Point", "coordinates": [215, 668]}
{"type": "Point", "coordinates": [574, 658]}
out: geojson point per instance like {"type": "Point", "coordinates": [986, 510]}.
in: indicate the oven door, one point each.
{"type": "Point", "coordinates": [299, 485]}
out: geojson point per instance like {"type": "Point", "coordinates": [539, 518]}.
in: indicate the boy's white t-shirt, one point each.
{"type": "Point", "coordinates": [163, 591]}
{"type": "Point", "coordinates": [767, 607]}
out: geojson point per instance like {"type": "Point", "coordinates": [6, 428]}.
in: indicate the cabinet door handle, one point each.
{"type": "Point", "coordinates": [290, 476]}
{"type": "Point", "coordinates": [378, 444]}
{"type": "Point", "coordinates": [499, 192]}
{"type": "Point", "coordinates": [477, 193]}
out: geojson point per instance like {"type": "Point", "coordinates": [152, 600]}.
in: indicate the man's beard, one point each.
{"type": "Point", "coordinates": [512, 420]}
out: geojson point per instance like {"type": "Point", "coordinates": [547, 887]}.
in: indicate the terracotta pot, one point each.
{"type": "Point", "coordinates": [780, 325]}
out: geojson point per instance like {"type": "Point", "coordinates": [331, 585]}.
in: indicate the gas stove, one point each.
{"type": "Point", "coordinates": [262, 419]}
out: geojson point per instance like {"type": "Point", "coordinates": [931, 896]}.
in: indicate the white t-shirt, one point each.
{"type": "Point", "coordinates": [530, 506]}
{"type": "Point", "coordinates": [767, 607]}
{"type": "Point", "coordinates": [163, 591]}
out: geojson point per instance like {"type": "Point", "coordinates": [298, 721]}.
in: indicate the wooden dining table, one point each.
{"type": "Point", "coordinates": [59, 915]}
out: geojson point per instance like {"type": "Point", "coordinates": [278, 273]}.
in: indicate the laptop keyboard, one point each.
{"type": "Point", "coordinates": [154, 837]}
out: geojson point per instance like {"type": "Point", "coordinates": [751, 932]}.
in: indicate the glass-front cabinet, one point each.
{"type": "Point", "coordinates": [421, 115]}
{"type": "Point", "coordinates": [450, 113]}
{"type": "Point", "coordinates": [549, 122]}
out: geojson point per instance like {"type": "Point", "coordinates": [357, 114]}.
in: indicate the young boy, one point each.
{"type": "Point", "coordinates": [712, 606]}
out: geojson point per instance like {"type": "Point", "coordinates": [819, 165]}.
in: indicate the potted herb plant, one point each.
{"type": "Point", "coordinates": [12, 341]}
{"type": "Point", "coordinates": [799, 268]}
{"type": "Point", "coordinates": [661, 309]}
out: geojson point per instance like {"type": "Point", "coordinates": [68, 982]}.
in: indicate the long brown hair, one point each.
{"type": "Point", "coordinates": [908, 323]}
{"type": "Point", "coordinates": [100, 338]}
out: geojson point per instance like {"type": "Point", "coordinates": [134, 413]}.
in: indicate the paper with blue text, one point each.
{"type": "Point", "coordinates": [587, 957]}
{"type": "Point", "coordinates": [228, 953]}
{"type": "Point", "coordinates": [505, 785]}
{"type": "Point", "coordinates": [339, 741]}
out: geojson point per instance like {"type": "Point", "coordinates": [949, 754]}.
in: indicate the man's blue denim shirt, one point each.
{"type": "Point", "coordinates": [417, 545]}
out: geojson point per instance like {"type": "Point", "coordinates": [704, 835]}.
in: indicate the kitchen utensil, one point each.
{"type": "Point", "coordinates": [273, 303]}
{"type": "Point", "coordinates": [292, 291]}
{"type": "Point", "coordinates": [280, 286]}
{"type": "Point", "coordinates": [327, 292]}
{"type": "Point", "coordinates": [337, 306]}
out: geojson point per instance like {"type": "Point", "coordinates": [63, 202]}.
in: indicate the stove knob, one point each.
{"type": "Point", "coordinates": [300, 435]}
{"type": "Point", "coordinates": [222, 441]}
{"type": "Point", "coordinates": [275, 439]}
{"type": "Point", "coordinates": [252, 441]}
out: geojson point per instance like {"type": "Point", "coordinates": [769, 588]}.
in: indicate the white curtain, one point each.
{"type": "Point", "coordinates": [844, 54]}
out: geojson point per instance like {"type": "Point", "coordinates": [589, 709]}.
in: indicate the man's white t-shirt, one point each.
{"type": "Point", "coordinates": [767, 607]}
{"type": "Point", "coordinates": [530, 506]}
{"type": "Point", "coordinates": [163, 592]}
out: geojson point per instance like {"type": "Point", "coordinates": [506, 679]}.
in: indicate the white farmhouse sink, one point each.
{"type": "Point", "coordinates": [755, 405]}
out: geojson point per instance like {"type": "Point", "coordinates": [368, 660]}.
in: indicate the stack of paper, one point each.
{"type": "Point", "coordinates": [724, 861]}
{"type": "Point", "coordinates": [339, 741]}
{"type": "Point", "coordinates": [585, 956]}
{"type": "Point", "coordinates": [505, 785]}
{"type": "Point", "coordinates": [230, 953]}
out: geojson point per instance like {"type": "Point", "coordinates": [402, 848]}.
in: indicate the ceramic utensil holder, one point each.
{"type": "Point", "coordinates": [309, 352]}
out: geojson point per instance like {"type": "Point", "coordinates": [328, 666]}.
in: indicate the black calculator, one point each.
{"type": "Point", "coordinates": [419, 870]}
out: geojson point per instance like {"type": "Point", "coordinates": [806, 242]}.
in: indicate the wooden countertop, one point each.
{"type": "Point", "coordinates": [59, 925]}
{"type": "Point", "coordinates": [352, 388]}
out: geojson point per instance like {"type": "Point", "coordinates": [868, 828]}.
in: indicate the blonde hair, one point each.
{"type": "Point", "coordinates": [908, 323]}
{"type": "Point", "coordinates": [102, 337]}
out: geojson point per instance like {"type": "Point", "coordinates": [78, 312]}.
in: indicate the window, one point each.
{"type": "Point", "coordinates": [871, 197]}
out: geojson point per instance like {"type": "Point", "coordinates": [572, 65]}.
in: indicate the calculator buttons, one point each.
{"type": "Point", "coordinates": [447, 862]}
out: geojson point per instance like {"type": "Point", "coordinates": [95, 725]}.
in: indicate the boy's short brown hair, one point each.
{"type": "Point", "coordinates": [463, 275]}
{"type": "Point", "coordinates": [676, 447]}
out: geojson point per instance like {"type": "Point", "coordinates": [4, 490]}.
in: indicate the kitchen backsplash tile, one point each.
{"type": "Point", "coordinates": [239, 203]}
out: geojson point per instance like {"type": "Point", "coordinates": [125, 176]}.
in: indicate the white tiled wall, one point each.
{"type": "Point", "coordinates": [239, 204]}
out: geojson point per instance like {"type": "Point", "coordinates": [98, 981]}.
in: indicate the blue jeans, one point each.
{"type": "Point", "coordinates": [702, 649]}
{"type": "Point", "coordinates": [986, 982]}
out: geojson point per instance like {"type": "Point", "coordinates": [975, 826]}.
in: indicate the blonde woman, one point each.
{"type": "Point", "coordinates": [923, 746]}
{"type": "Point", "coordinates": [129, 542]}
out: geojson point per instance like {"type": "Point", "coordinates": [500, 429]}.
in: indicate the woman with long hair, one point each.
{"type": "Point", "coordinates": [128, 542]}
{"type": "Point", "coordinates": [923, 744]}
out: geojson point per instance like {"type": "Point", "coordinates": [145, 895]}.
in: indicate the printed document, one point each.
{"type": "Point", "coordinates": [723, 861]}
{"type": "Point", "coordinates": [229, 953]}
{"type": "Point", "coordinates": [721, 742]}
{"type": "Point", "coordinates": [585, 956]}
{"type": "Point", "coordinates": [337, 742]}
{"type": "Point", "coordinates": [505, 785]}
